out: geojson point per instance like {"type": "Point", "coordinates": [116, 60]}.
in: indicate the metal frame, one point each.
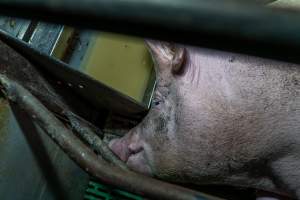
{"type": "Point", "coordinates": [31, 165]}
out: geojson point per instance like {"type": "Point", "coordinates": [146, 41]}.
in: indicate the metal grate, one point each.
{"type": "Point", "coordinates": [98, 191]}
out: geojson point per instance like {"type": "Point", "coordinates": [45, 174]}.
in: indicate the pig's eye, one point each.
{"type": "Point", "coordinates": [156, 102]}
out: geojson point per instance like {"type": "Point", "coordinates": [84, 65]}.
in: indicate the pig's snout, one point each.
{"type": "Point", "coordinates": [120, 148]}
{"type": "Point", "coordinates": [130, 150]}
{"type": "Point", "coordinates": [124, 149]}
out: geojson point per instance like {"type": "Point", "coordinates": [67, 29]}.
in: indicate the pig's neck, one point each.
{"type": "Point", "coordinates": [249, 181]}
{"type": "Point", "coordinates": [246, 180]}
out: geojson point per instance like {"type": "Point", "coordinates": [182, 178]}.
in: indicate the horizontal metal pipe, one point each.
{"type": "Point", "coordinates": [226, 25]}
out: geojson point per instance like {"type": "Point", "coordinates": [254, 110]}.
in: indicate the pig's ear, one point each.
{"type": "Point", "coordinates": [167, 56]}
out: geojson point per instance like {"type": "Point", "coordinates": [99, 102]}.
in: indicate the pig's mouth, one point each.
{"type": "Point", "coordinates": [134, 156]}
{"type": "Point", "coordinates": [137, 161]}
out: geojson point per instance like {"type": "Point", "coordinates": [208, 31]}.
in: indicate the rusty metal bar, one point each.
{"type": "Point", "coordinates": [93, 140]}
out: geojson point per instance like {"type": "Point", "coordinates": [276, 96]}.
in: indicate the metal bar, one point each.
{"type": "Point", "coordinates": [93, 140]}
{"type": "Point", "coordinates": [226, 25]}
{"type": "Point", "coordinates": [45, 37]}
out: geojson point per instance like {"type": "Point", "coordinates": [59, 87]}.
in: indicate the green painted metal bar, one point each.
{"type": "Point", "coordinates": [227, 25]}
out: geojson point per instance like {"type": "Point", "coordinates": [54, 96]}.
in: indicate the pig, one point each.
{"type": "Point", "coordinates": [219, 118]}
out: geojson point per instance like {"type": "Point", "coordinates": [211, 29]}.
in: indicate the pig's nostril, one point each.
{"type": "Point", "coordinates": [135, 149]}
